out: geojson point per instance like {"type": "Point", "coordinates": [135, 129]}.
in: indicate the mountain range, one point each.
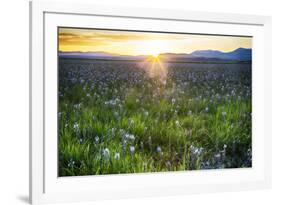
{"type": "Point", "coordinates": [240, 54]}
{"type": "Point", "coordinates": [244, 54]}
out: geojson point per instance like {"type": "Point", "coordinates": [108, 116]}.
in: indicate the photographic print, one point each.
{"type": "Point", "coordinates": [142, 102]}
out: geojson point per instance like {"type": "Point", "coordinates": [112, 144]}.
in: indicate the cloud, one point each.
{"type": "Point", "coordinates": [68, 37]}
{"type": "Point", "coordinates": [99, 35]}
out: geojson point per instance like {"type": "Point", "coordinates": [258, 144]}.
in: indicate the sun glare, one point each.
{"type": "Point", "coordinates": [155, 55]}
{"type": "Point", "coordinates": [155, 68]}
{"type": "Point", "coordinates": [152, 47]}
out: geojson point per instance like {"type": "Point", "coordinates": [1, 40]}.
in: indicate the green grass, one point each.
{"type": "Point", "coordinates": [189, 123]}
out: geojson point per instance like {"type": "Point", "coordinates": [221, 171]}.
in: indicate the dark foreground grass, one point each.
{"type": "Point", "coordinates": [115, 117]}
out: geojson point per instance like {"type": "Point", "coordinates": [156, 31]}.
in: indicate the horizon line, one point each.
{"type": "Point", "coordinates": [149, 54]}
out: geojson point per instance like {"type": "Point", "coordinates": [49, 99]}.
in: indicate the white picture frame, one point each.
{"type": "Point", "coordinates": [47, 187]}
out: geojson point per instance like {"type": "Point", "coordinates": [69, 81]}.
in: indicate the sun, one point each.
{"type": "Point", "coordinates": [155, 55]}
{"type": "Point", "coordinates": [152, 47]}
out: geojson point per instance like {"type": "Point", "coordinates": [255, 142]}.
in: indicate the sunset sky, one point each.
{"type": "Point", "coordinates": [144, 43]}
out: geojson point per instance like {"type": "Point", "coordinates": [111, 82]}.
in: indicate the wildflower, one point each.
{"type": "Point", "coordinates": [106, 153]}
{"type": "Point", "coordinates": [76, 127]}
{"type": "Point", "coordinates": [111, 102]}
{"type": "Point", "coordinates": [146, 113]}
{"type": "Point", "coordinates": [217, 156]}
{"type": "Point", "coordinates": [71, 163]}
{"type": "Point", "coordinates": [117, 156]}
{"type": "Point", "coordinates": [173, 101]}
{"type": "Point", "coordinates": [158, 149]}
{"type": "Point", "coordinates": [177, 123]}
{"type": "Point", "coordinates": [198, 151]}
{"type": "Point", "coordinates": [124, 141]}
{"type": "Point", "coordinates": [223, 114]}
{"type": "Point", "coordinates": [132, 137]}
{"type": "Point", "coordinates": [116, 114]}
{"type": "Point", "coordinates": [77, 106]}
{"type": "Point", "coordinates": [129, 137]}
{"type": "Point", "coordinates": [206, 109]}
{"type": "Point", "coordinates": [132, 149]}
{"type": "Point", "coordinates": [195, 150]}
{"type": "Point", "coordinates": [97, 139]}
{"type": "Point", "coordinates": [224, 146]}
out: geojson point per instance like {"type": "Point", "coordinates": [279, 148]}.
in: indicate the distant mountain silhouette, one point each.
{"type": "Point", "coordinates": [98, 55]}
{"type": "Point", "coordinates": [240, 54]}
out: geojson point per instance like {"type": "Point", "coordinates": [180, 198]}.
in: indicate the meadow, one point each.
{"type": "Point", "coordinates": [135, 117]}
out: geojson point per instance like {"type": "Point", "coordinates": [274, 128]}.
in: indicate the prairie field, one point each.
{"type": "Point", "coordinates": [135, 117]}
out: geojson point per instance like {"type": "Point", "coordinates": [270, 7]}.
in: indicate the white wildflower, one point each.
{"type": "Point", "coordinates": [97, 139]}
{"type": "Point", "coordinates": [116, 114]}
{"type": "Point", "coordinates": [132, 149]}
{"type": "Point", "coordinates": [117, 156]}
{"type": "Point", "coordinates": [106, 153]}
{"type": "Point", "coordinates": [158, 149]}
{"type": "Point", "coordinates": [76, 127]}
{"type": "Point", "coordinates": [217, 156]}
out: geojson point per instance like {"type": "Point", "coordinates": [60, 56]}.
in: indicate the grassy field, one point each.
{"type": "Point", "coordinates": [132, 117]}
